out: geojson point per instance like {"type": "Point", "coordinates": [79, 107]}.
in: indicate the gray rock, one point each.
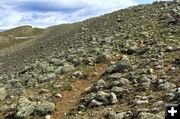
{"type": "Point", "coordinates": [123, 64]}
{"type": "Point", "coordinates": [144, 81]}
{"type": "Point", "coordinates": [170, 96]}
{"type": "Point", "coordinates": [110, 68]}
{"type": "Point", "coordinates": [95, 103]}
{"type": "Point", "coordinates": [117, 89]}
{"type": "Point", "coordinates": [101, 83]}
{"type": "Point", "coordinates": [167, 86]}
{"type": "Point", "coordinates": [145, 115]}
{"type": "Point", "coordinates": [3, 94]}
{"type": "Point", "coordinates": [47, 77]}
{"type": "Point", "coordinates": [49, 68]}
{"type": "Point", "coordinates": [57, 62]}
{"type": "Point", "coordinates": [113, 98]}
{"type": "Point", "coordinates": [124, 82]}
{"type": "Point", "coordinates": [4, 108]}
{"type": "Point", "coordinates": [141, 102]}
{"type": "Point", "coordinates": [113, 115]}
{"type": "Point", "coordinates": [115, 76]}
{"type": "Point", "coordinates": [101, 57]}
{"type": "Point", "coordinates": [115, 83]}
{"type": "Point", "coordinates": [78, 74]}
{"type": "Point", "coordinates": [25, 108]}
{"type": "Point", "coordinates": [67, 68]}
{"type": "Point", "coordinates": [159, 105]}
{"type": "Point", "coordinates": [45, 107]}
{"type": "Point", "coordinates": [59, 70]}
{"type": "Point", "coordinates": [102, 96]}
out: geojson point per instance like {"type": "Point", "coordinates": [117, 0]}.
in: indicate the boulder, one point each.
{"type": "Point", "coordinates": [123, 65]}
{"type": "Point", "coordinates": [45, 107]}
{"type": "Point", "coordinates": [25, 108]}
{"type": "Point", "coordinates": [102, 96]}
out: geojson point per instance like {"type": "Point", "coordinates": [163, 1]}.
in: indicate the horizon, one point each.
{"type": "Point", "coordinates": [42, 14]}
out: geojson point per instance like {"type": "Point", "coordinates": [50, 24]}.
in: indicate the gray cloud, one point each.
{"type": "Point", "coordinates": [43, 13]}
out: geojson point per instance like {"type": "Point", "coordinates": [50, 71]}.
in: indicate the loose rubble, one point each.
{"type": "Point", "coordinates": [140, 47]}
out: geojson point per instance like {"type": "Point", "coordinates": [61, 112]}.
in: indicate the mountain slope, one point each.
{"type": "Point", "coordinates": [135, 49]}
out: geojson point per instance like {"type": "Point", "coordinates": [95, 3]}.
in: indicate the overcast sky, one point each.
{"type": "Point", "coordinates": [43, 13]}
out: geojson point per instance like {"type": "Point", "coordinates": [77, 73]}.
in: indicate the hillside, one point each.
{"type": "Point", "coordinates": [122, 65]}
{"type": "Point", "coordinates": [18, 35]}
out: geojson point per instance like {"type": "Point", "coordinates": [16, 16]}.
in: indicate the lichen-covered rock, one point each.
{"type": "Point", "coordinates": [95, 103]}
{"type": "Point", "coordinates": [67, 68]}
{"type": "Point", "coordinates": [47, 77]}
{"type": "Point", "coordinates": [25, 108]}
{"type": "Point", "coordinates": [122, 65]}
{"type": "Point", "coordinates": [3, 94]}
{"type": "Point", "coordinates": [45, 107]}
{"type": "Point", "coordinates": [167, 86]}
{"type": "Point", "coordinates": [145, 115]}
{"type": "Point", "coordinates": [144, 81]}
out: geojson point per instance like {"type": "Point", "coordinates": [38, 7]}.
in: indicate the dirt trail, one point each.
{"type": "Point", "coordinates": [71, 98]}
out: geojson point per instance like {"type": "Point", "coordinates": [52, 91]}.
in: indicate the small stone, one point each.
{"type": "Point", "coordinates": [95, 103]}
{"type": "Point", "coordinates": [124, 82]}
{"type": "Point", "coordinates": [140, 102]}
{"type": "Point", "coordinates": [88, 88]}
{"type": "Point", "coordinates": [47, 117]}
{"type": "Point", "coordinates": [43, 91]}
{"type": "Point", "coordinates": [117, 89]}
{"type": "Point", "coordinates": [113, 98]}
{"type": "Point", "coordinates": [115, 76]}
{"type": "Point", "coordinates": [58, 95]}
{"type": "Point", "coordinates": [150, 71]}
{"type": "Point", "coordinates": [78, 74]}
{"type": "Point", "coordinates": [159, 104]}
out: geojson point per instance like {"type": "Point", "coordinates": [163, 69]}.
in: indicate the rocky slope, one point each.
{"type": "Point", "coordinates": [123, 65]}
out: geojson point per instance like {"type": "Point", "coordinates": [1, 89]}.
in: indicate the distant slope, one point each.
{"type": "Point", "coordinates": [17, 35]}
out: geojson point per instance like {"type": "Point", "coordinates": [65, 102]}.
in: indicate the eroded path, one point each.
{"type": "Point", "coordinates": [71, 98]}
